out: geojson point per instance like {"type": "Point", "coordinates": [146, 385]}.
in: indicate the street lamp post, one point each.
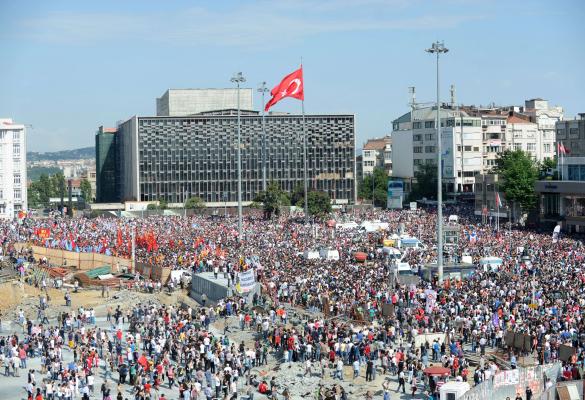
{"type": "Point", "coordinates": [263, 89]}
{"type": "Point", "coordinates": [238, 79]}
{"type": "Point", "coordinates": [438, 48]}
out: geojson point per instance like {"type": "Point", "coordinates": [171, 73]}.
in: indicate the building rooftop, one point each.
{"type": "Point", "coordinates": [517, 119]}
{"type": "Point", "coordinates": [377, 144]}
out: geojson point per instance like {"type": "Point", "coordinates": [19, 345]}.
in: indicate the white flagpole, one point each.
{"type": "Point", "coordinates": [498, 212]}
{"type": "Point", "coordinates": [559, 161]}
{"type": "Point", "coordinates": [563, 162]}
{"type": "Point", "coordinates": [305, 184]}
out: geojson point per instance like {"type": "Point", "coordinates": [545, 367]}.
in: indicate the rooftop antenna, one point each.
{"type": "Point", "coordinates": [412, 91]}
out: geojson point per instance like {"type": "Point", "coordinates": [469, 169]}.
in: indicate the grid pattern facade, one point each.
{"type": "Point", "coordinates": [197, 156]}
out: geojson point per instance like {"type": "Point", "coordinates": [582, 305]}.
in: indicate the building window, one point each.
{"type": "Point", "coordinates": [429, 161]}
{"type": "Point", "coordinates": [576, 172]}
{"type": "Point", "coordinates": [17, 194]}
{"type": "Point", "coordinates": [573, 133]}
{"type": "Point", "coordinates": [517, 146]}
{"type": "Point", "coordinates": [15, 135]}
{"type": "Point", "coordinates": [417, 138]}
{"type": "Point", "coordinates": [417, 162]}
{"type": "Point", "coordinates": [547, 147]}
{"type": "Point", "coordinates": [467, 148]}
{"type": "Point", "coordinates": [531, 147]}
{"type": "Point", "coordinates": [367, 153]}
{"type": "Point", "coordinates": [429, 136]}
{"type": "Point", "coordinates": [429, 149]}
{"type": "Point", "coordinates": [417, 149]}
{"type": "Point", "coordinates": [476, 148]}
{"type": "Point", "coordinates": [416, 125]}
{"type": "Point", "coordinates": [16, 149]}
{"type": "Point", "coordinates": [429, 124]}
{"type": "Point", "coordinates": [17, 179]}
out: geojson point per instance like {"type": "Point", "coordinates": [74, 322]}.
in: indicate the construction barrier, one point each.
{"type": "Point", "coordinates": [87, 261]}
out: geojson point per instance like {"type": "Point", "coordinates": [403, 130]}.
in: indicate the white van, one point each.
{"type": "Point", "coordinates": [329, 254]}
{"type": "Point", "coordinates": [410, 243]}
{"type": "Point", "coordinates": [404, 269]}
{"type": "Point", "coordinates": [491, 264]}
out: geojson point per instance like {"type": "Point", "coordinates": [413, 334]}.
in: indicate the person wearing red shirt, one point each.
{"type": "Point", "coordinates": [263, 388]}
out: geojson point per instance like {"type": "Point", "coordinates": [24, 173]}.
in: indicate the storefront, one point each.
{"type": "Point", "coordinates": [562, 201]}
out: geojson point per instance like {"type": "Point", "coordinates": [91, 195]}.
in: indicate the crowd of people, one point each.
{"type": "Point", "coordinates": [538, 290]}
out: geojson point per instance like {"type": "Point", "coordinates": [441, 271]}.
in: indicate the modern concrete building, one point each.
{"type": "Point", "coordinates": [564, 199]}
{"type": "Point", "coordinates": [13, 189]}
{"type": "Point", "coordinates": [174, 158]}
{"type": "Point", "coordinates": [184, 102]}
{"type": "Point", "coordinates": [377, 153]}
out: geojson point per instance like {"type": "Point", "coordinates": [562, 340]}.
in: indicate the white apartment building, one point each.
{"type": "Point", "coordinates": [377, 153]}
{"type": "Point", "coordinates": [13, 193]}
{"type": "Point", "coordinates": [546, 118]}
{"type": "Point", "coordinates": [414, 142]}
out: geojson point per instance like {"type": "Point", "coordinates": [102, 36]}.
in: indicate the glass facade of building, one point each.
{"type": "Point", "coordinates": [105, 156]}
{"type": "Point", "coordinates": [182, 157]}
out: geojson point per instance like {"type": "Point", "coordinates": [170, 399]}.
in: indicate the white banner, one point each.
{"type": "Point", "coordinates": [431, 297]}
{"type": "Point", "coordinates": [247, 281]}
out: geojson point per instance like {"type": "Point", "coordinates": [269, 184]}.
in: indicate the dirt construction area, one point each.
{"type": "Point", "coordinates": [15, 296]}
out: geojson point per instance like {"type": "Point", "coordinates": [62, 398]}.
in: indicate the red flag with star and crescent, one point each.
{"type": "Point", "coordinates": [290, 86]}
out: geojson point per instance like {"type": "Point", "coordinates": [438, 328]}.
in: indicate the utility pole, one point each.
{"type": "Point", "coordinates": [263, 89]}
{"type": "Point", "coordinates": [238, 79]}
{"type": "Point", "coordinates": [437, 48]}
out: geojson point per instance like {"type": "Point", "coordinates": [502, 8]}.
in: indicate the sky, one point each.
{"type": "Point", "coordinates": [68, 67]}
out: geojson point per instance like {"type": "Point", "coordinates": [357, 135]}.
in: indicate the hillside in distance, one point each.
{"type": "Point", "coordinates": [74, 154]}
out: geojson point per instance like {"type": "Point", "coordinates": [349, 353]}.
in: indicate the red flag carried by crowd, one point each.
{"type": "Point", "coordinates": [290, 86]}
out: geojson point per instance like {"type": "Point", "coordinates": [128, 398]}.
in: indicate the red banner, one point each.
{"type": "Point", "coordinates": [44, 233]}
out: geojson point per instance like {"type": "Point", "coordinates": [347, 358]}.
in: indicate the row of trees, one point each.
{"type": "Point", "coordinates": [274, 198]}
{"type": "Point", "coordinates": [517, 170]}
{"type": "Point", "coordinates": [47, 186]}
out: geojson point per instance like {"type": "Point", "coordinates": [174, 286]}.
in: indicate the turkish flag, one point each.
{"type": "Point", "coordinates": [290, 86]}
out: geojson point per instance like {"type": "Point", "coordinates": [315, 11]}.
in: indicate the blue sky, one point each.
{"type": "Point", "coordinates": [69, 66]}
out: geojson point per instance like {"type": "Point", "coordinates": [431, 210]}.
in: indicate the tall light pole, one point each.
{"type": "Point", "coordinates": [438, 48]}
{"type": "Point", "coordinates": [238, 79]}
{"type": "Point", "coordinates": [263, 89]}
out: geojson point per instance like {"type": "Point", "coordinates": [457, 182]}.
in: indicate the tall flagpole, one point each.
{"type": "Point", "coordinates": [305, 152]}
{"type": "Point", "coordinates": [498, 210]}
{"type": "Point", "coordinates": [562, 161]}
{"type": "Point", "coordinates": [559, 162]}
{"type": "Point", "coordinates": [263, 89]}
{"type": "Point", "coordinates": [305, 162]}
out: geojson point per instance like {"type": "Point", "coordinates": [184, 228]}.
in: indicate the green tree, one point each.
{"type": "Point", "coordinates": [297, 194]}
{"type": "Point", "coordinates": [86, 191]}
{"type": "Point", "coordinates": [40, 191]}
{"type": "Point", "coordinates": [379, 181]}
{"type": "Point", "coordinates": [272, 199]}
{"type": "Point", "coordinates": [425, 184]}
{"type": "Point", "coordinates": [194, 203]}
{"type": "Point", "coordinates": [518, 173]}
{"type": "Point", "coordinates": [163, 204]}
{"type": "Point", "coordinates": [58, 186]}
{"type": "Point", "coordinates": [319, 203]}
{"type": "Point", "coordinates": [546, 168]}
